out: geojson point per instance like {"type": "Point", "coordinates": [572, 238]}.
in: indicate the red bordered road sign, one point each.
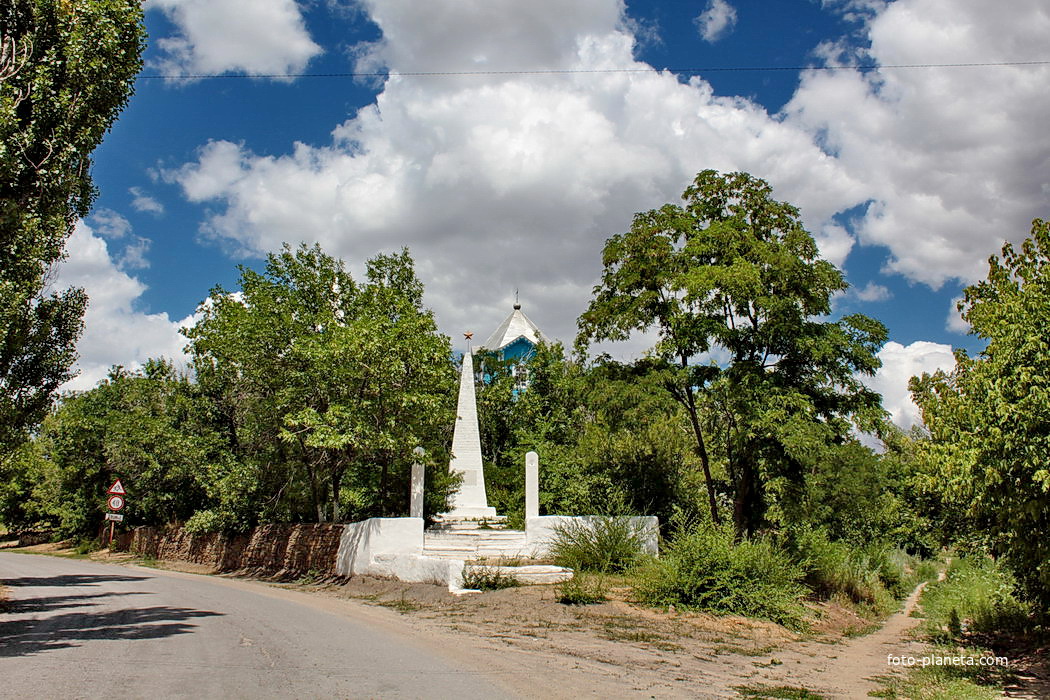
{"type": "Point", "coordinates": [117, 488]}
{"type": "Point", "coordinates": [116, 502]}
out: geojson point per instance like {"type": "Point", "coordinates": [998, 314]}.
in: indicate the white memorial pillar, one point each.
{"type": "Point", "coordinates": [470, 501]}
{"type": "Point", "coordinates": [415, 496]}
{"type": "Point", "coordinates": [532, 485]}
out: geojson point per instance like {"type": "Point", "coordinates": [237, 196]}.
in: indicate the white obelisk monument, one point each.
{"type": "Point", "coordinates": [470, 501]}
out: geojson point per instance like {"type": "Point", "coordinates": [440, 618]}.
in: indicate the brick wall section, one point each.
{"type": "Point", "coordinates": [274, 550]}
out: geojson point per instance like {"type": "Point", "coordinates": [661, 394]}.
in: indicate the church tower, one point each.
{"type": "Point", "coordinates": [515, 341]}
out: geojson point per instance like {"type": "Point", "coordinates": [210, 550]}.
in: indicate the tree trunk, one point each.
{"type": "Point", "coordinates": [746, 501]}
{"type": "Point", "coordinates": [315, 496]}
{"type": "Point", "coordinates": [701, 450]}
{"type": "Point", "coordinates": [311, 472]}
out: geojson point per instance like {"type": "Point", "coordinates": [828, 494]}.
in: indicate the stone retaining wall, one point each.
{"type": "Point", "coordinates": [276, 550]}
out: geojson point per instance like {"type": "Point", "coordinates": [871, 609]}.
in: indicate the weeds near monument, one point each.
{"type": "Point", "coordinates": [487, 578]}
{"type": "Point", "coordinates": [605, 543]}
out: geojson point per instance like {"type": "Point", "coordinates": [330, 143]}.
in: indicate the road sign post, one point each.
{"type": "Point", "coordinates": [116, 495]}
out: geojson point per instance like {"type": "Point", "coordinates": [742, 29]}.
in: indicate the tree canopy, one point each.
{"type": "Point", "coordinates": [989, 418]}
{"type": "Point", "coordinates": [327, 377]}
{"type": "Point", "coordinates": [737, 293]}
{"type": "Point", "coordinates": [151, 428]}
{"type": "Point", "coordinates": [66, 70]}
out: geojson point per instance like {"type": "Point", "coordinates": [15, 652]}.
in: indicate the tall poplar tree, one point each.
{"type": "Point", "coordinates": [67, 68]}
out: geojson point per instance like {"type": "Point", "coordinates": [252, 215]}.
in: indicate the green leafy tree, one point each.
{"type": "Point", "coordinates": [327, 384]}
{"type": "Point", "coordinates": [67, 68]}
{"type": "Point", "coordinates": [734, 275]}
{"type": "Point", "coordinates": [637, 438]}
{"type": "Point", "coordinates": [152, 429]}
{"type": "Point", "coordinates": [989, 418]}
{"type": "Point", "coordinates": [610, 440]}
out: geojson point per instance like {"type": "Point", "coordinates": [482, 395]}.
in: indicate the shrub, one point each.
{"type": "Point", "coordinates": [875, 575]}
{"type": "Point", "coordinates": [582, 590]}
{"type": "Point", "coordinates": [978, 595]}
{"type": "Point", "coordinates": [833, 567]}
{"type": "Point", "coordinates": [927, 570]}
{"type": "Point", "coordinates": [487, 578]}
{"type": "Point", "coordinates": [895, 569]}
{"type": "Point", "coordinates": [604, 543]}
{"type": "Point", "coordinates": [704, 569]}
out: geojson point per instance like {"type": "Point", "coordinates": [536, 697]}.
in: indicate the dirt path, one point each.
{"type": "Point", "coordinates": [849, 669]}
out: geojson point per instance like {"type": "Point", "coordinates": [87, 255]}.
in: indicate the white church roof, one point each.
{"type": "Point", "coordinates": [515, 326]}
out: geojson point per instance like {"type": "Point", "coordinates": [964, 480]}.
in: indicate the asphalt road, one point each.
{"type": "Point", "coordinates": [80, 629]}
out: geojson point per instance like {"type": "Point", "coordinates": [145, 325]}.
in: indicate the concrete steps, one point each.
{"type": "Point", "coordinates": [475, 544]}
{"type": "Point", "coordinates": [459, 523]}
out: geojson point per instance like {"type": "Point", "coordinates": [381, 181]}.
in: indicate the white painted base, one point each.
{"type": "Point", "coordinates": [393, 548]}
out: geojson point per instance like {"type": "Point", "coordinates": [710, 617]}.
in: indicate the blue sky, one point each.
{"type": "Point", "coordinates": [909, 178]}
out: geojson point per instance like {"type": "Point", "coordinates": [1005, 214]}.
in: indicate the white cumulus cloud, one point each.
{"type": "Point", "coordinates": [954, 321]}
{"type": "Point", "coordinates": [873, 292]}
{"type": "Point", "coordinates": [114, 332]}
{"type": "Point", "coordinates": [716, 21]}
{"type": "Point", "coordinates": [507, 181]}
{"type": "Point", "coordinates": [953, 159]}
{"type": "Point", "coordinates": [899, 364]}
{"type": "Point", "coordinates": [258, 37]}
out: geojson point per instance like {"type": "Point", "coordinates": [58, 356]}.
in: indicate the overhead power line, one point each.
{"type": "Point", "coordinates": [574, 71]}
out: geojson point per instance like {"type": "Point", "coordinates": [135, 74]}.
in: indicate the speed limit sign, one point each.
{"type": "Point", "coordinates": [116, 502]}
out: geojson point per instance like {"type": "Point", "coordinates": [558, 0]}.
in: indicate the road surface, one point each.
{"type": "Point", "coordinates": [81, 629]}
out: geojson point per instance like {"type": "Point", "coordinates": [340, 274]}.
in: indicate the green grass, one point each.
{"type": "Point", "coordinates": [947, 682]}
{"type": "Point", "coordinates": [582, 589]}
{"type": "Point", "coordinates": [402, 604]}
{"type": "Point", "coordinates": [977, 596]}
{"type": "Point", "coordinates": [310, 578]}
{"type": "Point", "coordinates": [618, 628]}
